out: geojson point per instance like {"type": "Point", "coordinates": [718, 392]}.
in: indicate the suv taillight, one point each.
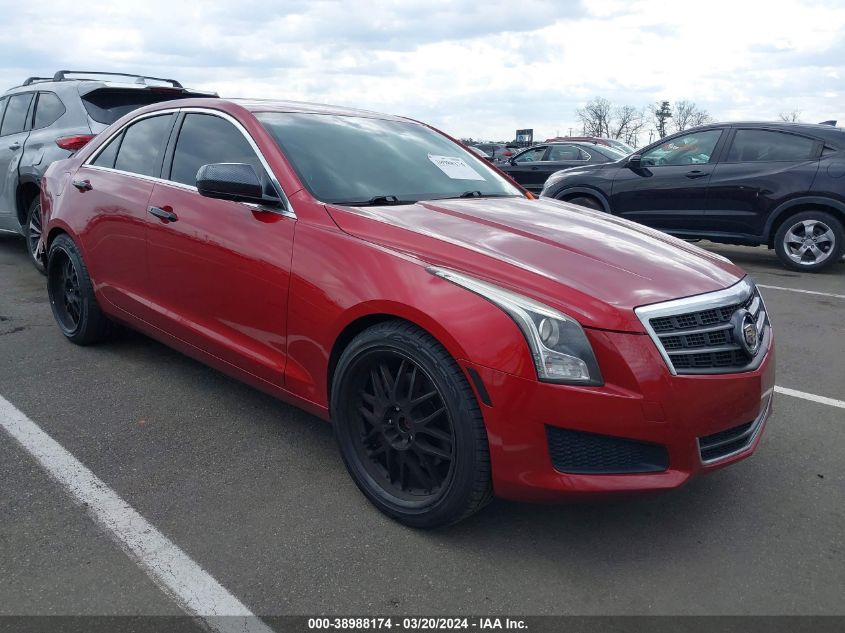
{"type": "Point", "coordinates": [73, 143]}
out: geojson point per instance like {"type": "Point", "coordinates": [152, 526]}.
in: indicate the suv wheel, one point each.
{"type": "Point", "coordinates": [409, 428]}
{"type": "Point", "coordinates": [33, 234]}
{"type": "Point", "coordinates": [810, 241]}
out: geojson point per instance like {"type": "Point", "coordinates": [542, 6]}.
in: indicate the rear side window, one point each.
{"type": "Point", "coordinates": [48, 109]}
{"type": "Point", "coordinates": [143, 142]}
{"type": "Point", "coordinates": [107, 156]}
{"type": "Point", "coordinates": [109, 104]}
{"type": "Point", "coordinates": [14, 120]}
{"type": "Point", "coordinates": [750, 146]}
{"type": "Point", "coordinates": [567, 152]}
{"type": "Point", "coordinates": [3, 103]}
{"type": "Point", "coordinates": [206, 139]}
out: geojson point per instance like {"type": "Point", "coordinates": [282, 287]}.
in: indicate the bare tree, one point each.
{"type": "Point", "coordinates": [790, 117]}
{"type": "Point", "coordinates": [627, 123]}
{"type": "Point", "coordinates": [595, 117]}
{"type": "Point", "coordinates": [687, 114]}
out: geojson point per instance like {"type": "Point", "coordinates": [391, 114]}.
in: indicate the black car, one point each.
{"type": "Point", "coordinates": [781, 184]}
{"type": "Point", "coordinates": [532, 166]}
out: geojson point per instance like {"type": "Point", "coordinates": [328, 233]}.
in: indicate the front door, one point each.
{"type": "Point", "coordinates": [529, 169]}
{"type": "Point", "coordinates": [669, 189]}
{"type": "Point", "coordinates": [219, 270]}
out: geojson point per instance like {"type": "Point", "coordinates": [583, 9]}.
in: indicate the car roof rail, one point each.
{"type": "Point", "coordinates": [61, 75]}
{"type": "Point", "coordinates": [31, 80]}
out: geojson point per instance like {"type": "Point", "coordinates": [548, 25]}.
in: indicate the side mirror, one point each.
{"type": "Point", "coordinates": [232, 181]}
{"type": "Point", "coordinates": [634, 162]}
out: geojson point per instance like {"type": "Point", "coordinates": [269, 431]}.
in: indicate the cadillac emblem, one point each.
{"type": "Point", "coordinates": [746, 333]}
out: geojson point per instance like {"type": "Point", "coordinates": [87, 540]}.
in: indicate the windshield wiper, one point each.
{"type": "Point", "coordinates": [377, 201]}
{"type": "Point", "coordinates": [478, 194]}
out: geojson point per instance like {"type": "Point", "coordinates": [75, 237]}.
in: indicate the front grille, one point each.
{"type": "Point", "coordinates": [579, 452]}
{"type": "Point", "coordinates": [725, 443]}
{"type": "Point", "coordinates": [699, 335]}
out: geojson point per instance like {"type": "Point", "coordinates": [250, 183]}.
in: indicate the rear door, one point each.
{"type": "Point", "coordinates": [220, 270]}
{"type": "Point", "coordinates": [761, 169]}
{"type": "Point", "coordinates": [14, 128]}
{"type": "Point", "coordinates": [669, 189]}
{"type": "Point", "coordinates": [113, 188]}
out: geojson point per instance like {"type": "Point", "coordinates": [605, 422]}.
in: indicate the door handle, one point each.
{"type": "Point", "coordinates": [534, 168]}
{"type": "Point", "coordinates": [15, 146]}
{"type": "Point", "coordinates": [696, 173]}
{"type": "Point", "coordinates": [167, 216]}
{"type": "Point", "coordinates": [82, 185]}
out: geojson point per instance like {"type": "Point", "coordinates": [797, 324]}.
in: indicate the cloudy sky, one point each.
{"type": "Point", "coordinates": [478, 69]}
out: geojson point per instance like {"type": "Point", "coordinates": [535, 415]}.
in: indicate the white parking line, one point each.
{"type": "Point", "coordinates": [188, 584]}
{"type": "Point", "coordinates": [810, 396]}
{"type": "Point", "coordinates": [806, 292]}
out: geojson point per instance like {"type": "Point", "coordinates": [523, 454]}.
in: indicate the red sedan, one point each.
{"type": "Point", "coordinates": [464, 339]}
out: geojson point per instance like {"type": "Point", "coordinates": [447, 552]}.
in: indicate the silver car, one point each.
{"type": "Point", "coordinates": [48, 118]}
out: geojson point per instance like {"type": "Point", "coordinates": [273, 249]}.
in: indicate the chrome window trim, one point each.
{"type": "Point", "coordinates": [752, 433]}
{"type": "Point", "coordinates": [738, 293]}
{"type": "Point", "coordinates": [288, 209]}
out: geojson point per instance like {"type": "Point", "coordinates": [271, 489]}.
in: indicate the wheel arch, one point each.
{"type": "Point", "coordinates": [569, 192]}
{"type": "Point", "coordinates": [28, 189]}
{"type": "Point", "coordinates": [792, 207]}
{"type": "Point", "coordinates": [366, 316]}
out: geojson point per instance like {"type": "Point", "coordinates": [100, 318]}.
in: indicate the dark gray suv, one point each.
{"type": "Point", "coordinates": [48, 118]}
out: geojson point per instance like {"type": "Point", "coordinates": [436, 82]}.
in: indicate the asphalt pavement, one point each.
{"type": "Point", "coordinates": [255, 492]}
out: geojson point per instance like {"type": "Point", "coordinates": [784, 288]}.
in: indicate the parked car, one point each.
{"type": "Point", "coordinates": [531, 167]}
{"type": "Point", "coordinates": [597, 140]}
{"type": "Point", "coordinates": [463, 339]}
{"type": "Point", "coordinates": [46, 119]}
{"type": "Point", "coordinates": [779, 184]}
{"type": "Point", "coordinates": [497, 151]}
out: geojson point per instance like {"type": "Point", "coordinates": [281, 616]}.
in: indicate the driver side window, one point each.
{"type": "Point", "coordinates": [530, 156]}
{"type": "Point", "coordinates": [690, 149]}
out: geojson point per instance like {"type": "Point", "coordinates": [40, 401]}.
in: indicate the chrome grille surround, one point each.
{"type": "Point", "coordinates": [696, 335]}
{"type": "Point", "coordinates": [723, 445]}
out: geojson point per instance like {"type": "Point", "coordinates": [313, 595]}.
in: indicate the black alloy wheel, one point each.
{"type": "Point", "coordinates": [71, 294]}
{"type": "Point", "coordinates": [409, 428]}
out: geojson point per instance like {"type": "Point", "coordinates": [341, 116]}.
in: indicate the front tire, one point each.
{"type": "Point", "coordinates": [586, 201]}
{"type": "Point", "coordinates": [32, 232]}
{"type": "Point", "coordinates": [810, 241]}
{"type": "Point", "coordinates": [409, 428]}
{"type": "Point", "coordinates": [71, 294]}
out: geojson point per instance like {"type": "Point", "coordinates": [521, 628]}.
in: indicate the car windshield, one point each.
{"type": "Point", "coordinates": [362, 160]}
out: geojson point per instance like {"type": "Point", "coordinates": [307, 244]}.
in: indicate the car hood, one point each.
{"type": "Point", "coordinates": [594, 266]}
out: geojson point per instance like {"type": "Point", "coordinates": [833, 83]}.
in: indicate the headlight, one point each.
{"type": "Point", "coordinates": [560, 349]}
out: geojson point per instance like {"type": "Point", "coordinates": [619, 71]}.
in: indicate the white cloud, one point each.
{"type": "Point", "coordinates": [474, 69]}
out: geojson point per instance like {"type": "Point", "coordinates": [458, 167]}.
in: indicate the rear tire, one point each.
{"type": "Point", "coordinates": [586, 201]}
{"type": "Point", "coordinates": [32, 232]}
{"type": "Point", "coordinates": [71, 294]}
{"type": "Point", "coordinates": [810, 241]}
{"type": "Point", "coordinates": [409, 428]}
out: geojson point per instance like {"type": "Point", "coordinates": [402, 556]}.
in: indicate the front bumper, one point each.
{"type": "Point", "coordinates": [640, 401]}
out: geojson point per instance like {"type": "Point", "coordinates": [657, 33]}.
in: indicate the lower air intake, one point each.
{"type": "Point", "coordinates": [579, 452]}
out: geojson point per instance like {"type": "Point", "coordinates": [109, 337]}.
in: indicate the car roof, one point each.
{"type": "Point", "coordinates": [276, 105]}
{"type": "Point", "coordinates": [827, 132]}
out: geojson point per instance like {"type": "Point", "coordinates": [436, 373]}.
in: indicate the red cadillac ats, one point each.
{"type": "Point", "coordinates": [463, 339]}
